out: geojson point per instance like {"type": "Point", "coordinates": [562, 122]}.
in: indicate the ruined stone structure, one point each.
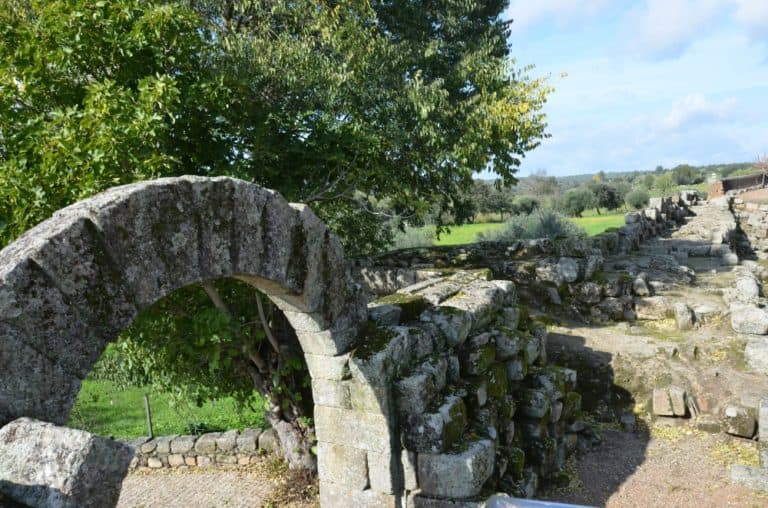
{"type": "Point", "coordinates": [71, 284]}
{"type": "Point", "coordinates": [438, 391]}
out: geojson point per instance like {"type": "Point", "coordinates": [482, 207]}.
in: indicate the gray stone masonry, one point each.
{"type": "Point", "coordinates": [80, 470]}
{"type": "Point", "coordinates": [206, 450]}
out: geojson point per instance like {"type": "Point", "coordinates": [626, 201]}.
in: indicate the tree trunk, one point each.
{"type": "Point", "coordinates": [295, 443]}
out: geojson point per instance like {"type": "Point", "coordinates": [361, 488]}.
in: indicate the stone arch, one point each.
{"type": "Point", "coordinates": [70, 285]}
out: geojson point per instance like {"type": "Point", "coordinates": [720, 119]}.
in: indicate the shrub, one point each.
{"type": "Point", "coordinates": [637, 199]}
{"type": "Point", "coordinates": [539, 224]}
{"type": "Point", "coordinates": [576, 201]}
{"type": "Point", "coordinates": [524, 204]}
{"type": "Point", "coordinates": [414, 237]}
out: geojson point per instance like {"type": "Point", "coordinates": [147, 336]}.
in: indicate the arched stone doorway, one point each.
{"type": "Point", "coordinates": [70, 285]}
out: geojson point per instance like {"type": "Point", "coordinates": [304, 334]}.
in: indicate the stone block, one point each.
{"type": "Point", "coordinates": [80, 469]}
{"type": "Point", "coordinates": [154, 463]}
{"type": "Point", "coordinates": [384, 472]}
{"type": "Point", "coordinates": [662, 405]}
{"type": "Point", "coordinates": [754, 478]}
{"type": "Point", "coordinates": [756, 354]}
{"type": "Point", "coordinates": [371, 431]}
{"type": "Point", "coordinates": [226, 441]}
{"type": "Point", "coordinates": [190, 460]}
{"type": "Point", "coordinates": [459, 475]}
{"type": "Point", "coordinates": [30, 383]}
{"type": "Point", "coordinates": [679, 399]}
{"type": "Point", "coordinates": [226, 459]}
{"type": "Point", "coordinates": [510, 317]}
{"type": "Point", "coordinates": [182, 444]}
{"type": "Point", "coordinates": [164, 444]}
{"type": "Point", "coordinates": [438, 431]}
{"type": "Point", "coordinates": [739, 421]}
{"type": "Point", "coordinates": [248, 440]}
{"type": "Point", "coordinates": [481, 300]}
{"type": "Point", "coordinates": [383, 354]}
{"type": "Point", "coordinates": [334, 368]}
{"type": "Point", "coordinates": [331, 393]}
{"type": "Point", "coordinates": [384, 314]}
{"type": "Point", "coordinates": [534, 403]}
{"type": "Point", "coordinates": [516, 369]}
{"type": "Point", "coordinates": [204, 461]}
{"type": "Point", "coordinates": [338, 496]}
{"type": "Point", "coordinates": [343, 465]}
{"type": "Point", "coordinates": [453, 323]}
{"type": "Point", "coordinates": [749, 319]}
{"type": "Point", "coordinates": [176, 460]}
{"type": "Point", "coordinates": [148, 447]}
{"type": "Point", "coordinates": [477, 360]}
{"type": "Point", "coordinates": [206, 444]}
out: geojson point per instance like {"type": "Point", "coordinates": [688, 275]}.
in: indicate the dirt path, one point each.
{"type": "Point", "coordinates": [677, 467]}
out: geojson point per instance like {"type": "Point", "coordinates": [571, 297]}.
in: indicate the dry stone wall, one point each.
{"type": "Point", "coordinates": [212, 449]}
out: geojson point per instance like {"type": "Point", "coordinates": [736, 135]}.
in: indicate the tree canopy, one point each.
{"type": "Point", "coordinates": [327, 102]}
{"type": "Point", "coordinates": [341, 105]}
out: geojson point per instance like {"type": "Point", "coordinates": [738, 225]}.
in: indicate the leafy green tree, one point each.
{"type": "Point", "coordinates": [575, 201]}
{"type": "Point", "coordinates": [665, 184]}
{"type": "Point", "coordinates": [605, 196]}
{"type": "Point", "coordinates": [329, 103]}
{"type": "Point", "coordinates": [637, 199]}
{"type": "Point", "coordinates": [648, 180]}
{"type": "Point", "coordinates": [525, 205]}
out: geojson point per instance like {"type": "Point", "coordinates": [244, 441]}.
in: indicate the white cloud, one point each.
{"type": "Point", "coordinates": [527, 13]}
{"type": "Point", "coordinates": [665, 28]}
{"type": "Point", "coordinates": [753, 14]}
{"type": "Point", "coordinates": [696, 108]}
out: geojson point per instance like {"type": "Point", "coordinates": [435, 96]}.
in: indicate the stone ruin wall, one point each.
{"type": "Point", "coordinates": [444, 394]}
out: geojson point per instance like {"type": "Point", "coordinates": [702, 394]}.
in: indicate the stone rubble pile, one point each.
{"type": "Point", "coordinates": [481, 410]}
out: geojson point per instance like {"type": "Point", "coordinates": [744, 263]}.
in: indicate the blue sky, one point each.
{"type": "Point", "coordinates": [643, 83]}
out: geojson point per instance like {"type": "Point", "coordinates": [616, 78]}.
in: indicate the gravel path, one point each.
{"type": "Point", "coordinates": [246, 488]}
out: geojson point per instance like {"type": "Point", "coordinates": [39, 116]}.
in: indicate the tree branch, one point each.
{"type": "Point", "coordinates": [265, 326]}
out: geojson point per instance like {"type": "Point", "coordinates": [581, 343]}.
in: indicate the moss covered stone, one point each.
{"type": "Point", "coordinates": [497, 381]}
{"type": "Point", "coordinates": [411, 305]}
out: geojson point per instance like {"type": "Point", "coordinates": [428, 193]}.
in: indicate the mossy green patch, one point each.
{"type": "Point", "coordinates": [456, 425]}
{"type": "Point", "coordinates": [411, 305]}
{"type": "Point", "coordinates": [497, 381]}
{"type": "Point", "coordinates": [372, 339]}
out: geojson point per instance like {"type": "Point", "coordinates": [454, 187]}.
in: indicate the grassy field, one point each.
{"type": "Point", "coordinates": [592, 223]}
{"type": "Point", "coordinates": [596, 224]}
{"type": "Point", "coordinates": [467, 233]}
{"type": "Point", "coordinates": [104, 409]}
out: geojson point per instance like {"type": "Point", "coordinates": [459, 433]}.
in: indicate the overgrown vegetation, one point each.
{"type": "Point", "coordinates": [107, 409]}
{"type": "Point", "coordinates": [539, 224]}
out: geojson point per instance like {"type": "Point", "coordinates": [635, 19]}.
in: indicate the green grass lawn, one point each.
{"type": "Point", "coordinates": [592, 223]}
{"type": "Point", "coordinates": [596, 224]}
{"type": "Point", "coordinates": [466, 233]}
{"type": "Point", "coordinates": [104, 409]}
